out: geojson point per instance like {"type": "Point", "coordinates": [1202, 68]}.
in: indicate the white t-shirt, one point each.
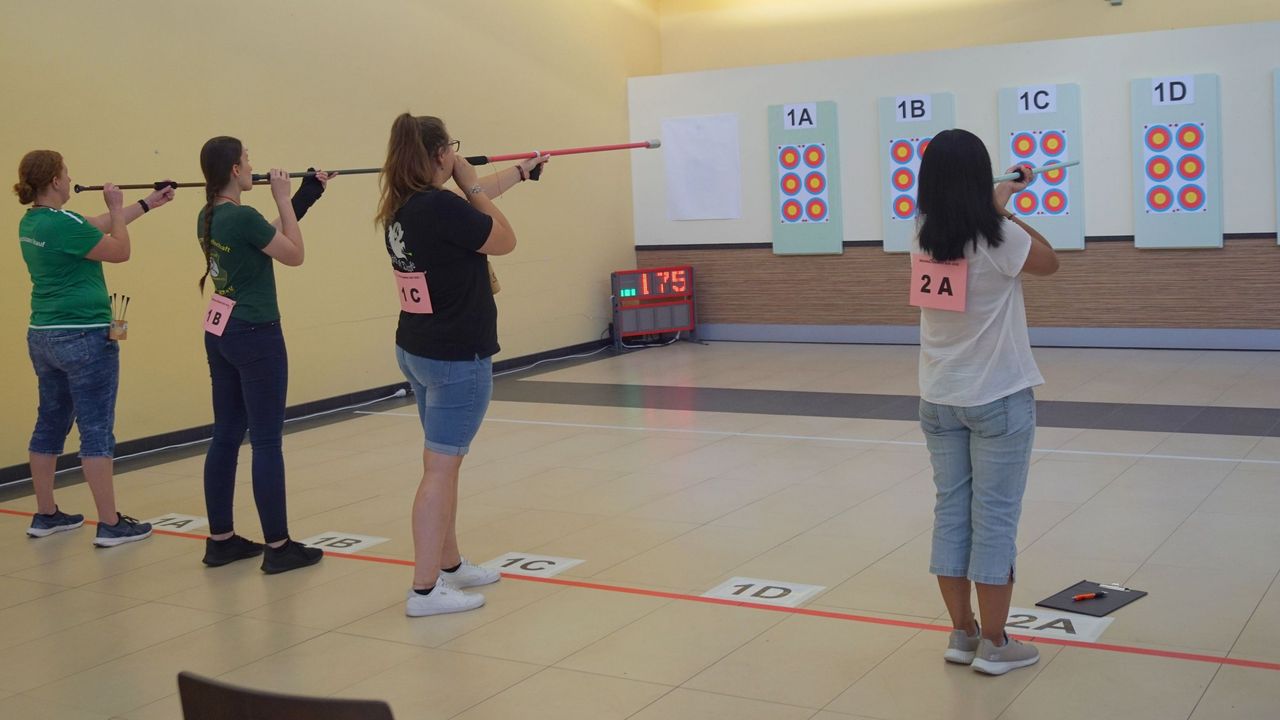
{"type": "Point", "coordinates": [980, 355]}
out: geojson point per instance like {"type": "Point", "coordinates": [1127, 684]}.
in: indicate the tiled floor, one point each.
{"type": "Point", "coordinates": [661, 505]}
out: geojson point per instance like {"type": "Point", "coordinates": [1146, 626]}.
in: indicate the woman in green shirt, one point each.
{"type": "Point", "coordinates": [244, 343]}
{"type": "Point", "coordinates": [77, 364]}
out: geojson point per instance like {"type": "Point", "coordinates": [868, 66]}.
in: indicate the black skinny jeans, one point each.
{"type": "Point", "coordinates": [250, 372]}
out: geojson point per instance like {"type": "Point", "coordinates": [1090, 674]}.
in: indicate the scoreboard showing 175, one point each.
{"type": "Point", "coordinates": [651, 301]}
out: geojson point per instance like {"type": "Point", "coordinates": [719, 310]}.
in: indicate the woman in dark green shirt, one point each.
{"type": "Point", "coordinates": [244, 343]}
{"type": "Point", "coordinates": [77, 364]}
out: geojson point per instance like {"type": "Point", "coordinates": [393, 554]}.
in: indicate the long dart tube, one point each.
{"type": "Point", "coordinates": [263, 179]}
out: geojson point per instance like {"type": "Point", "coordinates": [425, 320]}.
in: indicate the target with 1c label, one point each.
{"type": "Point", "coordinates": [1038, 149]}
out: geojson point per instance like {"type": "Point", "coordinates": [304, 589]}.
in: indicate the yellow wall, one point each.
{"type": "Point", "coordinates": [707, 34]}
{"type": "Point", "coordinates": [128, 91]}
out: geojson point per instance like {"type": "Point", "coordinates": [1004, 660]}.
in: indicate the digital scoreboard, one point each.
{"type": "Point", "coordinates": [651, 301]}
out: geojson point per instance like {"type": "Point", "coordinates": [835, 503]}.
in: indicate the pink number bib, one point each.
{"type": "Point", "coordinates": [414, 297]}
{"type": "Point", "coordinates": [219, 312]}
{"type": "Point", "coordinates": [939, 285]}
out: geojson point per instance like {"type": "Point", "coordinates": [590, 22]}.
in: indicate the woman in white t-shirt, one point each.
{"type": "Point", "coordinates": [976, 404]}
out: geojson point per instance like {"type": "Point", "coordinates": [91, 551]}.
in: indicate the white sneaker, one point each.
{"type": "Point", "coordinates": [470, 576]}
{"type": "Point", "coordinates": [444, 599]}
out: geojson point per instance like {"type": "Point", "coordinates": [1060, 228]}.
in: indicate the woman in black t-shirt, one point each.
{"type": "Point", "coordinates": [438, 240]}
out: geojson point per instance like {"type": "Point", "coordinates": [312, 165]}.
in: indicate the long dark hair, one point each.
{"type": "Point", "coordinates": [218, 156]}
{"type": "Point", "coordinates": [955, 198]}
{"type": "Point", "coordinates": [411, 161]}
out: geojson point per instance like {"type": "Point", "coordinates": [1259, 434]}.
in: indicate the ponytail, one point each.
{"type": "Point", "coordinates": [411, 161]}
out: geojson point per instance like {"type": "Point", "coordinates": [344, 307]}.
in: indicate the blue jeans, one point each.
{"type": "Point", "coordinates": [250, 372]}
{"type": "Point", "coordinates": [452, 396]}
{"type": "Point", "coordinates": [980, 460]}
{"type": "Point", "coordinates": [78, 374]}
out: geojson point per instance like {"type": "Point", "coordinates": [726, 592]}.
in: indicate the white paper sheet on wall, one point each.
{"type": "Point", "coordinates": [703, 167]}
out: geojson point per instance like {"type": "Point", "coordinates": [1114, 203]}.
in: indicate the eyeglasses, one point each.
{"type": "Point", "coordinates": [455, 144]}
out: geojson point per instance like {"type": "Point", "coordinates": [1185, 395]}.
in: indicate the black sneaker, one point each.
{"type": "Point", "coordinates": [126, 530]}
{"type": "Point", "coordinates": [58, 521]}
{"type": "Point", "coordinates": [289, 556]}
{"type": "Point", "coordinates": [223, 552]}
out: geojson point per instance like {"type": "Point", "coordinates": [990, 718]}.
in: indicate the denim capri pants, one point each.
{"type": "Point", "coordinates": [981, 456]}
{"type": "Point", "coordinates": [452, 396]}
{"type": "Point", "coordinates": [78, 374]}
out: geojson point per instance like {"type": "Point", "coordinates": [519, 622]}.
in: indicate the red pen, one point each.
{"type": "Point", "coordinates": [1088, 596]}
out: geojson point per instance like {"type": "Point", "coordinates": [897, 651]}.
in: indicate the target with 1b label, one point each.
{"type": "Point", "coordinates": [1175, 166]}
{"type": "Point", "coordinates": [803, 183]}
{"type": "Point", "coordinates": [904, 167]}
{"type": "Point", "coordinates": [1037, 149]}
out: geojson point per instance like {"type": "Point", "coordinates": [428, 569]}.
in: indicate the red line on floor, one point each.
{"type": "Point", "coordinates": [806, 612]}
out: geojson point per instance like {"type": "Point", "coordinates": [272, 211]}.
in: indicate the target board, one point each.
{"type": "Point", "coordinates": [806, 179]}
{"type": "Point", "coordinates": [1040, 126]}
{"type": "Point", "coordinates": [1275, 79]}
{"type": "Point", "coordinates": [1177, 162]}
{"type": "Point", "coordinates": [907, 124]}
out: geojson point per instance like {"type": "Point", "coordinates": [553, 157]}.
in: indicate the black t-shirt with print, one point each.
{"type": "Point", "coordinates": [438, 233]}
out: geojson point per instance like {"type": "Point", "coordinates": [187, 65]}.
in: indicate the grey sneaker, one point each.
{"type": "Point", "coordinates": [46, 525]}
{"type": "Point", "coordinates": [962, 648]}
{"type": "Point", "coordinates": [126, 530]}
{"type": "Point", "coordinates": [1012, 655]}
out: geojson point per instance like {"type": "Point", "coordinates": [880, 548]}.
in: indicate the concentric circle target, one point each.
{"type": "Point", "coordinates": [1158, 138]}
{"type": "Point", "coordinates": [1054, 177]}
{"type": "Point", "coordinates": [1190, 167]}
{"type": "Point", "coordinates": [1159, 198]}
{"type": "Point", "coordinates": [1190, 136]}
{"type": "Point", "coordinates": [789, 157]}
{"type": "Point", "coordinates": [790, 184]}
{"type": "Point", "coordinates": [815, 182]}
{"type": "Point", "coordinates": [1159, 168]}
{"type": "Point", "coordinates": [922, 146]}
{"type": "Point", "coordinates": [901, 152]}
{"type": "Point", "coordinates": [904, 206]}
{"type": "Point", "coordinates": [816, 210]}
{"type": "Point", "coordinates": [1191, 197]}
{"type": "Point", "coordinates": [792, 210]}
{"type": "Point", "coordinates": [1053, 143]}
{"type": "Point", "coordinates": [1024, 145]}
{"type": "Point", "coordinates": [1026, 203]}
{"type": "Point", "coordinates": [904, 179]}
{"type": "Point", "coordinates": [1054, 202]}
{"type": "Point", "coordinates": [814, 156]}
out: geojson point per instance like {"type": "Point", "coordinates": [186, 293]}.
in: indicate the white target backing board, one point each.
{"type": "Point", "coordinates": [1275, 78]}
{"type": "Point", "coordinates": [803, 142]}
{"type": "Point", "coordinates": [1039, 126]}
{"type": "Point", "coordinates": [907, 124]}
{"type": "Point", "coordinates": [1177, 162]}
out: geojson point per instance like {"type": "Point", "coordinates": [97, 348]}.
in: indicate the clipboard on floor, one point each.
{"type": "Point", "coordinates": [1117, 597]}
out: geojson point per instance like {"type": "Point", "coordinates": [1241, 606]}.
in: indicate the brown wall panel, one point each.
{"type": "Point", "coordinates": [1110, 284]}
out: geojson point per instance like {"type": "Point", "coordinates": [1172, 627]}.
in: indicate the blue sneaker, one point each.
{"type": "Point", "coordinates": [45, 525]}
{"type": "Point", "coordinates": [126, 530]}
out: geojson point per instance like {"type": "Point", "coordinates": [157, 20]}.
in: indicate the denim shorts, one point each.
{"type": "Point", "coordinates": [78, 374]}
{"type": "Point", "coordinates": [981, 456]}
{"type": "Point", "coordinates": [452, 396]}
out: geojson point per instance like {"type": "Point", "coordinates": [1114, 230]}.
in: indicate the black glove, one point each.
{"type": "Point", "coordinates": [308, 193]}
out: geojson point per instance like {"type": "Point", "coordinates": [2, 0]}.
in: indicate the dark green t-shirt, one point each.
{"type": "Point", "coordinates": [67, 290]}
{"type": "Point", "coordinates": [237, 265]}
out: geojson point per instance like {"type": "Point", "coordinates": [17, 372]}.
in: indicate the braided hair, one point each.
{"type": "Point", "coordinates": [217, 158]}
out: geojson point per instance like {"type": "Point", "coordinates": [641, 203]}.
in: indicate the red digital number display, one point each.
{"type": "Point", "coordinates": [664, 282]}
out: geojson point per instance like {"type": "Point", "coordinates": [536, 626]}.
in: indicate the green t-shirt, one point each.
{"type": "Point", "coordinates": [240, 270]}
{"type": "Point", "coordinates": [67, 290]}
